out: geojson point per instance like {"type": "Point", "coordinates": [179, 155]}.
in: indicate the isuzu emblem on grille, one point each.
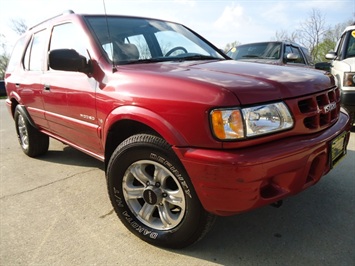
{"type": "Point", "coordinates": [330, 107]}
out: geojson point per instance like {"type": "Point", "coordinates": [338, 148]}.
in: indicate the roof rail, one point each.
{"type": "Point", "coordinates": [65, 12]}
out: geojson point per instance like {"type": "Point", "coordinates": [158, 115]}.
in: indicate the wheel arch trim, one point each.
{"type": "Point", "coordinates": [22, 109]}
{"type": "Point", "coordinates": [146, 117]}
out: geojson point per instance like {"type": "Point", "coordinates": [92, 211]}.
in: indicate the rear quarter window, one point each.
{"type": "Point", "coordinates": [16, 55]}
{"type": "Point", "coordinates": [35, 53]}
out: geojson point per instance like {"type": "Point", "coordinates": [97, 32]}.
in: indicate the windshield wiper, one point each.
{"type": "Point", "coordinates": [165, 59]}
{"type": "Point", "coordinates": [197, 57]}
{"type": "Point", "coordinates": [251, 56]}
{"type": "Point", "coordinates": [143, 61]}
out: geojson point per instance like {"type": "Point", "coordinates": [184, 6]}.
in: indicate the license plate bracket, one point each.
{"type": "Point", "coordinates": [337, 149]}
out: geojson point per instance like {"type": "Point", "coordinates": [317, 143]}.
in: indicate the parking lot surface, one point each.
{"type": "Point", "coordinates": [54, 210]}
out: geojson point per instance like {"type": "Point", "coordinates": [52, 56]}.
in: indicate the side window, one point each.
{"type": "Point", "coordinates": [288, 50]}
{"type": "Point", "coordinates": [16, 55]}
{"type": "Point", "coordinates": [34, 57]}
{"type": "Point", "coordinates": [297, 51]}
{"type": "Point", "coordinates": [294, 50]}
{"type": "Point", "coordinates": [340, 50]}
{"type": "Point", "coordinates": [67, 36]}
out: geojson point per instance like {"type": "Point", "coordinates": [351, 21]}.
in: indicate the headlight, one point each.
{"type": "Point", "coordinates": [232, 124]}
{"type": "Point", "coordinates": [349, 79]}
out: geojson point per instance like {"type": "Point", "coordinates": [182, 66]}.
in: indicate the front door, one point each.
{"type": "Point", "coordinates": [69, 96]}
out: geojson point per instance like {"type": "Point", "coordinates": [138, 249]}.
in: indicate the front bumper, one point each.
{"type": "Point", "coordinates": [234, 181]}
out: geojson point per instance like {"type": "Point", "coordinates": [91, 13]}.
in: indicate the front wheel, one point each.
{"type": "Point", "coordinates": [152, 194]}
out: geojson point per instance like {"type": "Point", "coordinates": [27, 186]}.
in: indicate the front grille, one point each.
{"type": "Point", "coordinates": [320, 110]}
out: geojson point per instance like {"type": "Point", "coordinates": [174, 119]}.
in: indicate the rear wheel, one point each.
{"type": "Point", "coordinates": [152, 194]}
{"type": "Point", "coordinates": [32, 141]}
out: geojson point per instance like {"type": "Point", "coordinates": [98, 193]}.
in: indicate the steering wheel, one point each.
{"type": "Point", "coordinates": [177, 48]}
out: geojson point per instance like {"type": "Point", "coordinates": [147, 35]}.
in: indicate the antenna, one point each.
{"type": "Point", "coordinates": [109, 35]}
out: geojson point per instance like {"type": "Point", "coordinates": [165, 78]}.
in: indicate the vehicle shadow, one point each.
{"type": "Point", "coordinates": [68, 155]}
{"type": "Point", "coordinates": [315, 228]}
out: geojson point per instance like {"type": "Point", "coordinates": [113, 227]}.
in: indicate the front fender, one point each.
{"type": "Point", "coordinates": [146, 117]}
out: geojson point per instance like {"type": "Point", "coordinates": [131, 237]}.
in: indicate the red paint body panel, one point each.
{"type": "Point", "coordinates": [174, 99]}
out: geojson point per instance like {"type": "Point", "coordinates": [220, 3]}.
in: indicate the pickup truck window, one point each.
{"type": "Point", "coordinates": [295, 50]}
{"type": "Point", "coordinates": [350, 52]}
{"type": "Point", "coordinates": [265, 50]}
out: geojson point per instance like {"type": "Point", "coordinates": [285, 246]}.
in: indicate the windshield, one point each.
{"type": "Point", "coordinates": [265, 50]}
{"type": "Point", "coordinates": [350, 48]}
{"type": "Point", "coordinates": [134, 40]}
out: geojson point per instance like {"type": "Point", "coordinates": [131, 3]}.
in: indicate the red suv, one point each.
{"type": "Point", "coordinates": [185, 133]}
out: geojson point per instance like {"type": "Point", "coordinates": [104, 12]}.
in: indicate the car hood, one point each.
{"type": "Point", "coordinates": [250, 82]}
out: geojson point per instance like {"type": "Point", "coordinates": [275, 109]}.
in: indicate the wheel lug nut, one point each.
{"type": "Point", "coordinates": [164, 195]}
{"type": "Point", "coordinates": [157, 184]}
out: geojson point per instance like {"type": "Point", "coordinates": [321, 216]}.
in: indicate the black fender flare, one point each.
{"type": "Point", "coordinates": [23, 111]}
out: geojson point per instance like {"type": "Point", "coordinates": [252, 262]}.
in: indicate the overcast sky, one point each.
{"type": "Point", "coordinates": [220, 22]}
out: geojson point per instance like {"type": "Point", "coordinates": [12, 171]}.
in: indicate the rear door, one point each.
{"type": "Point", "coordinates": [28, 77]}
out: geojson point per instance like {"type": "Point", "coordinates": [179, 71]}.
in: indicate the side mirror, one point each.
{"type": "Point", "coordinates": [323, 66]}
{"type": "Point", "coordinates": [331, 55]}
{"type": "Point", "coordinates": [292, 57]}
{"type": "Point", "coordinates": [68, 60]}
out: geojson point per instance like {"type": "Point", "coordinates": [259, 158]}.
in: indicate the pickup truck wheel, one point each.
{"type": "Point", "coordinates": [32, 141]}
{"type": "Point", "coordinates": [152, 194]}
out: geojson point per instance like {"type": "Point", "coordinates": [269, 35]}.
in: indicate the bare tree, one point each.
{"type": "Point", "coordinates": [311, 32]}
{"type": "Point", "coordinates": [4, 56]}
{"type": "Point", "coordinates": [231, 45]}
{"type": "Point", "coordinates": [283, 35]}
{"type": "Point", "coordinates": [19, 26]}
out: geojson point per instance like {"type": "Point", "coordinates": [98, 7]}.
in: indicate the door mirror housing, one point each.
{"type": "Point", "coordinates": [291, 57]}
{"type": "Point", "coordinates": [331, 55]}
{"type": "Point", "coordinates": [68, 60]}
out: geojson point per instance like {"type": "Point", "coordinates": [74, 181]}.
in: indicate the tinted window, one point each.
{"type": "Point", "coordinates": [297, 51]}
{"type": "Point", "coordinates": [294, 50]}
{"type": "Point", "coordinates": [267, 50]}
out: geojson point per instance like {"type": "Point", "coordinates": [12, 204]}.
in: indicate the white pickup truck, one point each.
{"type": "Point", "coordinates": [343, 68]}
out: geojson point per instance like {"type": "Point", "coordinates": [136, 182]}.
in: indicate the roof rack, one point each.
{"type": "Point", "coordinates": [65, 12]}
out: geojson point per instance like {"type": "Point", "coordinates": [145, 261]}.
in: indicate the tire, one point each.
{"type": "Point", "coordinates": [32, 141]}
{"type": "Point", "coordinates": [153, 195]}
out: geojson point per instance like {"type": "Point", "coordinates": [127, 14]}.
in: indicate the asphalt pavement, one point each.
{"type": "Point", "coordinates": [54, 210]}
